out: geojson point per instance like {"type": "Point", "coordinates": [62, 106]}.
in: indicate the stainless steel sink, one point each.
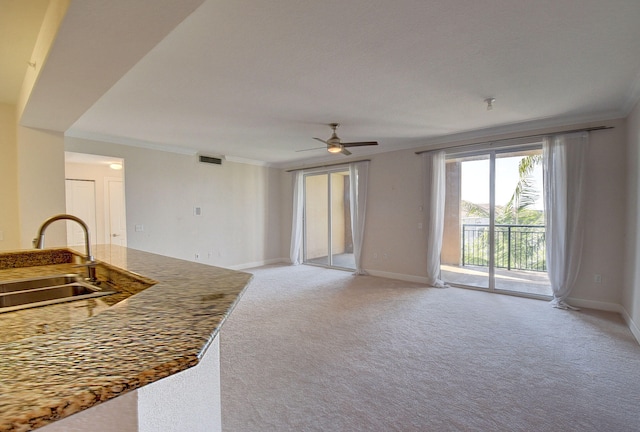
{"type": "Point", "coordinates": [42, 291]}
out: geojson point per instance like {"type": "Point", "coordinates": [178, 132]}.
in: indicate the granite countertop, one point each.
{"type": "Point", "coordinates": [60, 359]}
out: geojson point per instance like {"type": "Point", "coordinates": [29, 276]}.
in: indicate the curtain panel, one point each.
{"type": "Point", "coordinates": [564, 167]}
{"type": "Point", "coordinates": [358, 180]}
{"type": "Point", "coordinates": [295, 251]}
{"type": "Point", "coordinates": [435, 189]}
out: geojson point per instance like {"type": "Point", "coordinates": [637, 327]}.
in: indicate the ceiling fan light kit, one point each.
{"type": "Point", "coordinates": [335, 145]}
{"type": "Point", "coordinates": [489, 101]}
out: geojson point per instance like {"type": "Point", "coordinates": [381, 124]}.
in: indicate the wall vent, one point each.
{"type": "Point", "coordinates": [211, 160]}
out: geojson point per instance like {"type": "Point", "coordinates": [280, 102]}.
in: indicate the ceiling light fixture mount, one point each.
{"type": "Point", "coordinates": [489, 102]}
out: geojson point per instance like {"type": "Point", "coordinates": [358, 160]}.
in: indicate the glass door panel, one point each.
{"type": "Point", "coordinates": [316, 215]}
{"type": "Point", "coordinates": [341, 238]}
{"type": "Point", "coordinates": [520, 261]}
{"type": "Point", "coordinates": [465, 251]}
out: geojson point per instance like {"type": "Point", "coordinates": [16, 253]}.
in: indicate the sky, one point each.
{"type": "Point", "coordinates": [475, 180]}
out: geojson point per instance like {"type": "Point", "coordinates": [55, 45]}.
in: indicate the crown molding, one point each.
{"type": "Point", "coordinates": [248, 161]}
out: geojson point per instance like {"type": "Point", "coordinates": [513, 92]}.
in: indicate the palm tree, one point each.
{"type": "Point", "coordinates": [525, 194]}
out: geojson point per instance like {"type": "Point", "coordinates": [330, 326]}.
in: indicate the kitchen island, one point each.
{"type": "Point", "coordinates": [87, 352]}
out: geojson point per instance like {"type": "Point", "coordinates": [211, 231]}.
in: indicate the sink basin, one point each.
{"type": "Point", "coordinates": [42, 291]}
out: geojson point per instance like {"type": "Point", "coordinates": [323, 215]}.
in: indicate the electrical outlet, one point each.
{"type": "Point", "coordinates": [597, 278]}
{"type": "Point", "coordinates": [197, 211]}
{"type": "Point", "coordinates": [139, 228]}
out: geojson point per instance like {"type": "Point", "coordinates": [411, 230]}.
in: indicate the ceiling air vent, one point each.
{"type": "Point", "coordinates": [211, 160]}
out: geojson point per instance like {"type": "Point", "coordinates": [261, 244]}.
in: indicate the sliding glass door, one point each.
{"type": "Point", "coordinates": [327, 237]}
{"type": "Point", "coordinates": [494, 234]}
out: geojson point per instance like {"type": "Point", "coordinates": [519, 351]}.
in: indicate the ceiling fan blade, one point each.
{"type": "Point", "coordinates": [357, 144]}
{"type": "Point", "coordinates": [345, 152]}
{"type": "Point", "coordinates": [321, 140]}
{"type": "Point", "coordinates": [315, 148]}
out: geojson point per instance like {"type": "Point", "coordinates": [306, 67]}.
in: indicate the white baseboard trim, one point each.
{"type": "Point", "coordinates": [635, 330]}
{"type": "Point", "coordinates": [398, 276]}
{"type": "Point", "coordinates": [259, 263]}
{"type": "Point", "coordinates": [592, 304]}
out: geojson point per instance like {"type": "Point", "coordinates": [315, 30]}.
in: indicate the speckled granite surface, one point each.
{"type": "Point", "coordinates": [91, 353]}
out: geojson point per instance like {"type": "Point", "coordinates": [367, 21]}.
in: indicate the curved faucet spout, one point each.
{"type": "Point", "coordinates": [89, 257]}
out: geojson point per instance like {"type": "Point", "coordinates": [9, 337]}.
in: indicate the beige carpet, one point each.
{"type": "Point", "coordinates": [312, 349]}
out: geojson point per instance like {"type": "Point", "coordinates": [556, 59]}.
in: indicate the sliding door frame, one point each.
{"type": "Point", "coordinates": [327, 172]}
{"type": "Point", "coordinates": [493, 154]}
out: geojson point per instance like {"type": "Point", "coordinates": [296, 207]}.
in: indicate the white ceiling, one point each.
{"type": "Point", "coordinates": [257, 80]}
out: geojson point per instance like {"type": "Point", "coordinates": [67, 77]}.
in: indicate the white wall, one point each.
{"type": "Point", "coordinates": [41, 189]}
{"type": "Point", "coordinates": [605, 220]}
{"type": "Point", "coordinates": [187, 401]}
{"type": "Point", "coordinates": [394, 246]}
{"type": "Point", "coordinates": [240, 203]}
{"type": "Point", "coordinates": [631, 291]}
{"type": "Point", "coordinates": [9, 214]}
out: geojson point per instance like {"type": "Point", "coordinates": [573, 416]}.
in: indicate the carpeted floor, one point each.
{"type": "Point", "coordinates": [313, 349]}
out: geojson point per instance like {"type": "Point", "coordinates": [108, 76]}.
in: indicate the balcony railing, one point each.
{"type": "Point", "coordinates": [517, 247]}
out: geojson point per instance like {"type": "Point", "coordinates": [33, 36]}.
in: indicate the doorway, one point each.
{"type": "Point", "coordinates": [494, 232]}
{"type": "Point", "coordinates": [327, 236]}
{"type": "Point", "coordinates": [105, 207]}
{"type": "Point", "coordinates": [81, 202]}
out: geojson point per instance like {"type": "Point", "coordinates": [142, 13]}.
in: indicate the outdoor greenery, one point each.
{"type": "Point", "coordinates": [519, 229]}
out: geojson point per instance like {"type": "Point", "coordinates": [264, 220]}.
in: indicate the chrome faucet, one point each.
{"type": "Point", "coordinates": [90, 261]}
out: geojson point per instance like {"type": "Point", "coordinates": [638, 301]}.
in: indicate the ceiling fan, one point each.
{"type": "Point", "coordinates": [334, 145]}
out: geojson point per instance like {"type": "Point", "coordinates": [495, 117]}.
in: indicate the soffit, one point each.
{"type": "Point", "coordinates": [20, 22]}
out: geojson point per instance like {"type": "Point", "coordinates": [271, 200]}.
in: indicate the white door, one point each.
{"type": "Point", "coordinates": [117, 221]}
{"type": "Point", "coordinates": [81, 202]}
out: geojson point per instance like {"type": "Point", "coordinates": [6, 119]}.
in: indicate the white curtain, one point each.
{"type": "Point", "coordinates": [358, 179]}
{"type": "Point", "coordinates": [296, 224]}
{"type": "Point", "coordinates": [435, 188]}
{"type": "Point", "coordinates": [564, 158]}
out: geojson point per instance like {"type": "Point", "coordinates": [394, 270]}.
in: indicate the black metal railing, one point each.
{"type": "Point", "coordinates": [517, 247]}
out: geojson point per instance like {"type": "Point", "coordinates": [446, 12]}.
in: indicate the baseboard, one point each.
{"type": "Point", "coordinates": [635, 330]}
{"type": "Point", "coordinates": [259, 263]}
{"type": "Point", "coordinates": [398, 276]}
{"type": "Point", "coordinates": [592, 304]}
{"type": "Point", "coordinates": [609, 307]}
